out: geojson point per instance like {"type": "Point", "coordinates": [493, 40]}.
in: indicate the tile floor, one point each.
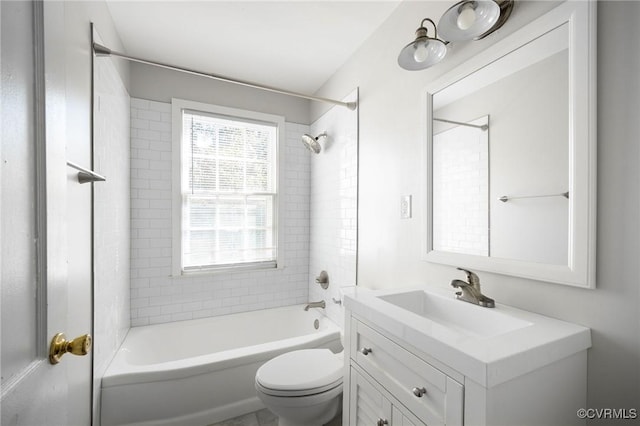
{"type": "Point", "coordinates": [264, 418]}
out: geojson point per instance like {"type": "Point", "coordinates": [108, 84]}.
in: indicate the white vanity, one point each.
{"type": "Point", "coordinates": [421, 357]}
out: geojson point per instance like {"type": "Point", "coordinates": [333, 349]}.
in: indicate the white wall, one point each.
{"type": "Point", "coordinates": [159, 84]}
{"type": "Point", "coordinates": [156, 296]}
{"type": "Point", "coordinates": [334, 204]}
{"type": "Point", "coordinates": [391, 138]}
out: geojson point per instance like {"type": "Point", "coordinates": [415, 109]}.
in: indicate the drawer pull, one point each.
{"type": "Point", "coordinates": [418, 392]}
{"type": "Point", "coordinates": [366, 351]}
{"type": "Point", "coordinates": [382, 422]}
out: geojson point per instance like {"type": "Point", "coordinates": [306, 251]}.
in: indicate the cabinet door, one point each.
{"type": "Point", "coordinates": [404, 418]}
{"type": "Point", "coordinates": [368, 406]}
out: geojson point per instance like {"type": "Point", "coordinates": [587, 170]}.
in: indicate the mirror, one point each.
{"type": "Point", "coordinates": [511, 154]}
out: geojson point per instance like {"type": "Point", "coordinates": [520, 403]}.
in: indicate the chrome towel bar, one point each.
{"type": "Point", "coordinates": [482, 127]}
{"type": "Point", "coordinates": [504, 198]}
{"type": "Point", "coordinates": [86, 175]}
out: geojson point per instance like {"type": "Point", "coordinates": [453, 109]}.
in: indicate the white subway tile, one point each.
{"type": "Point", "coordinates": [149, 115]}
{"type": "Point", "coordinates": [159, 319]}
{"type": "Point", "coordinates": [204, 295]}
{"type": "Point", "coordinates": [159, 106]}
{"type": "Point", "coordinates": [148, 311]}
{"type": "Point", "coordinates": [182, 316]}
{"type": "Point", "coordinates": [159, 126]}
{"type": "Point", "coordinates": [138, 322]}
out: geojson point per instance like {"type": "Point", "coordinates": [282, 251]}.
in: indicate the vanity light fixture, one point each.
{"type": "Point", "coordinates": [424, 51]}
{"type": "Point", "coordinates": [469, 19]}
{"type": "Point", "coordinates": [465, 20]}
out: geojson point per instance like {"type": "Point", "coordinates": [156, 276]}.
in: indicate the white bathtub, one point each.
{"type": "Point", "coordinates": [203, 371]}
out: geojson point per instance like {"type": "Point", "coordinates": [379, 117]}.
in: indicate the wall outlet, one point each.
{"type": "Point", "coordinates": [405, 207]}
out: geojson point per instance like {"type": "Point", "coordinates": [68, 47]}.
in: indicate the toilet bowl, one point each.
{"type": "Point", "coordinates": [304, 387]}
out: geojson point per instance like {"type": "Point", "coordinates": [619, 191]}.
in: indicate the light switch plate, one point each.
{"type": "Point", "coordinates": [405, 207]}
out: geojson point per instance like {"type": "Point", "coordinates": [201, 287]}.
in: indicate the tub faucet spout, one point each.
{"type": "Point", "coordinates": [319, 304]}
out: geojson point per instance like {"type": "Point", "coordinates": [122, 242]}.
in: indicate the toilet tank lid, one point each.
{"type": "Point", "coordinates": [302, 369]}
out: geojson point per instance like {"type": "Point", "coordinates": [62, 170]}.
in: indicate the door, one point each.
{"type": "Point", "coordinates": [36, 278]}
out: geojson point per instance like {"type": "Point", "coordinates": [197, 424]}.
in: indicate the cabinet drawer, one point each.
{"type": "Point", "coordinates": [426, 391]}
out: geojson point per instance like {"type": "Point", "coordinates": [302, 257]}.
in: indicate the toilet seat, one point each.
{"type": "Point", "coordinates": [298, 392]}
{"type": "Point", "coordinates": [300, 373]}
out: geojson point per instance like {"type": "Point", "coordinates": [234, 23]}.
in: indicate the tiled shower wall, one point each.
{"type": "Point", "coordinates": [158, 297]}
{"type": "Point", "coordinates": [461, 218]}
{"type": "Point", "coordinates": [111, 219]}
{"type": "Point", "coordinates": [334, 202]}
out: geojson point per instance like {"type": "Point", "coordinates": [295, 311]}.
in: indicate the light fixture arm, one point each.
{"type": "Point", "coordinates": [416, 55]}
{"type": "Point", "coordinates": [423, 28]}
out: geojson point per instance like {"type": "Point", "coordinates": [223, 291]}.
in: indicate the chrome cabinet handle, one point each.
{"type": "Point", "coordinates": [419, 392]}
{"type": "Point", "coordinates": [382, 422]}
{"type": "Point", "coordinates": [366, 351]}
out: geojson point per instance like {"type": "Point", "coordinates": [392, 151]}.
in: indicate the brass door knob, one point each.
{"type": "Point", "coordinates": [60, 346]}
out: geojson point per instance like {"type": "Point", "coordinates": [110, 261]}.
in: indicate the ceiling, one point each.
{"type": "Point", "coordinates": [295, 45]}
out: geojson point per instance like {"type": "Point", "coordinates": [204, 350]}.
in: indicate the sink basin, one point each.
{"type": "Point", "coordinates": [488, 345]}
{"type": "Point", "coordinates": [454, 314]}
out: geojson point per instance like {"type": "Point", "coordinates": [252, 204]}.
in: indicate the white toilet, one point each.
{"type": "Point", "coordinates": [304, 387]}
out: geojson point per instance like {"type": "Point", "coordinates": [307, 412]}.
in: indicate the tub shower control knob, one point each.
{"type": "Point", "coordinates": [366, 351]}
{"type": "Point", "coordinates": [323, 279]}
{"type": "Point", "coordinates": [419, 392]}
{"type": "Point", "coordinates": [382, 422]}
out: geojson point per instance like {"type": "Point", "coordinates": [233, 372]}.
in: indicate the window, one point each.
{"type": "Point", "coordinates": [226, 192]}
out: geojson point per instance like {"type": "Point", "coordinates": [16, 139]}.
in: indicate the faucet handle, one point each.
{"type": "Point", "coordinates": [472, 278]}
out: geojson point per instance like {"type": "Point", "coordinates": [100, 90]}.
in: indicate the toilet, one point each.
{"type": "Point", "coordinates": [303, 387]}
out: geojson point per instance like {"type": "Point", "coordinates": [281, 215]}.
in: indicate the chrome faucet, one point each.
{"type": "Point", "coordinates": [470, 291]}
{"type": "Point", "coordinates": [319, 304]}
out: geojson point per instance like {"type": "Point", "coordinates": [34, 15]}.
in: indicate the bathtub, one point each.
{"type": "Point", "coordinates": [202, 371]}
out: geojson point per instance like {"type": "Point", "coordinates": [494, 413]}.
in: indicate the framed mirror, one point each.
{"type": "Point", "coordinates": [511, 154]}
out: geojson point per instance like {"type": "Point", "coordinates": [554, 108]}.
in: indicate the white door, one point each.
{"type": "Point", "coordinates": [37, 298]}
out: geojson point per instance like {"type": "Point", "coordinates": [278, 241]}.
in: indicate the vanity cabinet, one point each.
{"type": "Point", "coordinates": [404, 369]}
{"type": "Point", "coordinates": [373, 406]}
{"type": "Point", "coordinates": [385, 373]}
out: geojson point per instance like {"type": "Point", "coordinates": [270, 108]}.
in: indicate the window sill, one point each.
{"type": "Point", "coordinates": [229, 270]}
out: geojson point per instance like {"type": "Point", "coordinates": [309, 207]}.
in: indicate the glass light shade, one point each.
{"type": "Point", "coordinates": [452, 23]}
{"type": "Point", "coordinates": [466, 18]}
{"type": "Point", "coordinates": [422, 53]}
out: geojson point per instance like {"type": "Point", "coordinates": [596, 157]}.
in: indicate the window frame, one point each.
{"type": "Point", "coordinates": [178, 106]}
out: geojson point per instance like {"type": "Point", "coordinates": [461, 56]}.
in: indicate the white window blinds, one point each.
{"type": "Point", "coordinates": [228, 191]}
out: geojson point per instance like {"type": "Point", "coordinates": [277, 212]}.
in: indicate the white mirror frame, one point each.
{"type": "Point", "coordinates": [581, 268]}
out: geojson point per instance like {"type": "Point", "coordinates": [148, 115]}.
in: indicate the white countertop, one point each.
{"type": "Point", "coordinates": [488, 360]}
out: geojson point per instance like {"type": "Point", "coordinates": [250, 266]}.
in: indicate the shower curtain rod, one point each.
{"type": "Point", "coordinates": [101, 50]}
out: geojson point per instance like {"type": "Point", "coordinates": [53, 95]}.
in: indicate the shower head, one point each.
{"type": "Point", "coordinates": [312, 143]}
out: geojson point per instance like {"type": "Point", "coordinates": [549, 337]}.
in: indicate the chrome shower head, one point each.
{"type": "Point", "coordinates": [312, 143]}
